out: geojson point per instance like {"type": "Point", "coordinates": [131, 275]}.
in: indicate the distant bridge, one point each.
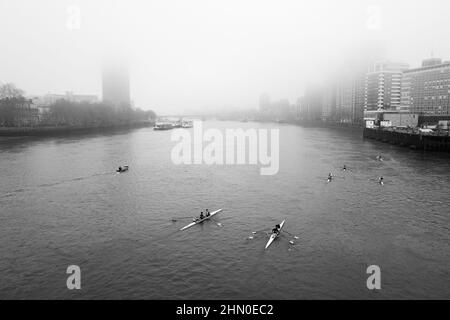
{"type": "Point", "coordinates": [182, 116]}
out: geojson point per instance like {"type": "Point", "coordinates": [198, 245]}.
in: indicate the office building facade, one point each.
{"type": "Point", "coordinates": [383, 86]}
{"type": "Point", "coordinates": [426, 90]}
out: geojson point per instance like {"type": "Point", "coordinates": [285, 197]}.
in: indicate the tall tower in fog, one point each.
{"type": "Point", "coordinates": [264, 102]}
{"type": "Point", "coordinates": [116, 84]}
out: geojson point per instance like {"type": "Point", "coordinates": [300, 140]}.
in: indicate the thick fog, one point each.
{"type": "Point", "coordinates": [192, 55]}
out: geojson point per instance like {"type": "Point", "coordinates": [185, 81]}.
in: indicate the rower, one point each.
{"type": "Point", "coordinates": [276, 229]}
{"type": "Point", "coordinates": [380, 180]}
{"type": "Point", "coordinates": [330, 176]}
{"type": "Point", "coordinates": [207, 213]}
{"type": "Point", "coordinates": [120, 169]}
{"type": "Point", "coordinates": [201, 216]}
{"type": "Point", "coordinates": [344, 168]}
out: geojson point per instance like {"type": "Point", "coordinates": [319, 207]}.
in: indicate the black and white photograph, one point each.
{"type": "Point", "coordinates": [224, 150]}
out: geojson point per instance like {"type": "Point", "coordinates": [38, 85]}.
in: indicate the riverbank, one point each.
{"type": "Point", "coordinates": [412, 140]}
{"type": "Point", "coordinates": [54, 130]}
{"type": "Point", "coordinates": [332, 125]}
{"type": "Point", "coordinates": [314, 124]}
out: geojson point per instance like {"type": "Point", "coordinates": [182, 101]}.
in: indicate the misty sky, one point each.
{"type": "Point", "coordinates": [192, 55]}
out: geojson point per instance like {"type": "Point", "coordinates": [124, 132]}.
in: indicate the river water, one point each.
{"type": "Point", "coordinates": [61, 204]}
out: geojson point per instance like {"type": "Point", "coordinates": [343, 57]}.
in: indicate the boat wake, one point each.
{"type": "Point", "coordinates": [47, 185]}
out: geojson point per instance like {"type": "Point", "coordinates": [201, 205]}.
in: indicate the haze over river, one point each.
{"type": "Point", "coordinates": [61, 204]}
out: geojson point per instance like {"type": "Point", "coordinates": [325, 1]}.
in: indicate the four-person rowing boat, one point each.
{"type": "Point", "coordinates": [274, 235]}
{"type": "Point", "coordinates": [201, 220]}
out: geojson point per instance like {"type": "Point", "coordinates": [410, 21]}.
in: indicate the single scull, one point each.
{"type": "Point", "coordinates": [273, 236]}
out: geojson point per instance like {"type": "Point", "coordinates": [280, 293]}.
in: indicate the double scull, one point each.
{"type": "Point", "coordinates": [200, 221]}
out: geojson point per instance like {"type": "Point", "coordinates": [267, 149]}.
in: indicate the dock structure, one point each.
{"type": "Point", "coordinates": [413, 140]}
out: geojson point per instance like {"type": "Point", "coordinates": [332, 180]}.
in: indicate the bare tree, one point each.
{"type": "Point", "coordinates": [9, 90]}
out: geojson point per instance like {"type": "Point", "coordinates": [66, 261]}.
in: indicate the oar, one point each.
{"type": "Point", "coordinates": [295, 237]}
{"type": "Point", "coordinates": [251, 237]}
{"type": "Point", "coordinates": [255, 232]}
{"type": "Point", "coordinates": [291, 242]}
{"type": "Point", "coordinates": [218, 223]}
{"type": "Point", "coordinates": [179, 218]}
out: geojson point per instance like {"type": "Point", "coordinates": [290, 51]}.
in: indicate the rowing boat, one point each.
{"type": "Point", "coordinates": [122, 169]}
{"type": "Point", "coordinates": [200, 221]}
{"type": "Point", "coordinates": [273, 236]}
